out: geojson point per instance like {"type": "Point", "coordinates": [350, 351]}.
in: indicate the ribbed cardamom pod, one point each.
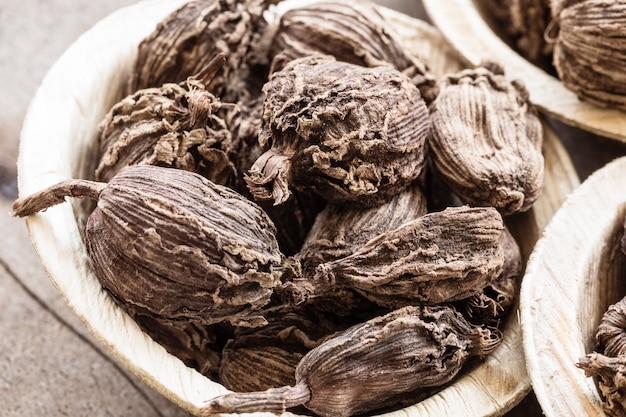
{"type": "Point", "coordinates": [372, 365]}
{"type": "Point", "coordinates": [489, 306]}
{"type": "Point", "coordinates": [174, 125]}
{"type": "Point", "coordinates": [351, 31]}
{"type": "Point", "coordinates": [608, 362]}
{"type": "Point", "coordinates": [346, 132]}
{"type": "Point", "coordinates": [244, 124]}
{"type": "Point", "coordinates": [436, 258]}
{"type": "Point", "coordinates": [185, 41]}
{"type": "Point", "coordinates": [525, 21]}
{"type": "Point", "coordinates": [339, 230]}
{"type": "Point", "coordinates": [294, 217]}
{"type": "Point", "coordinates": [265, 357]}
{"type": "Point", "coordinates": [174, 245]}
{"type": "Point", "coordinates": [590, 49]}
{"type": "Point", "coordinates": [485, 140]}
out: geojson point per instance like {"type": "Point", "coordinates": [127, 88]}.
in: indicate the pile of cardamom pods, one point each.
{"type": "Point", "coordinates": [302, 211]}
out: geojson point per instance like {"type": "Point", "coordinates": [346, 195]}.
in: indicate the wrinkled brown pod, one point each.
{"type": "Point", "coordinates": [171, 244]}
{"type": "Point", "coordinates": [340, 229]}
{"type": "Point", "coordinates": [174, 125]}
{"type": "Point", "coordinates": [345, 132]}
{"type": "Point", "coordinates": [372, 365]}
{"type": "Point", "coordinates": [353, 31]}
{"type": "Point", "coordinates": [525, 21]}
{"type": "Point", "coordinates": [490, 305]}
{"type": "Point", "coordinates": [294, 217]}
{"type": "Point", "coordinates": [184, 42]}
{"type": "Point", "coordinates": [485, 140]}
{"type": "Point", "coordinates": [590, 49]}
{"type": "Point", "coordinates": [439, 257]}
{"type": "Point", "coordinates": [265, 357]}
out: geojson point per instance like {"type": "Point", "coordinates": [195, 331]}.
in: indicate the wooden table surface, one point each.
{"type": "Point", "coordinates": [49, 363]}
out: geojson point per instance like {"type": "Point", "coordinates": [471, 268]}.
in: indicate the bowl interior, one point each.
{"type": "Point", "coordinates": [605, 282]}
{"type": "Point", "coordinates": [574, 273]}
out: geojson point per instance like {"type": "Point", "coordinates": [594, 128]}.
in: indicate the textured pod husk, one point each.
{"type": "Point", "coordinates": [293, 219]}
{"type": "Point", "coordinates": [525, 21]}
{"type": "Point", "coordinates": [485, 140]}
{"type": "Point", "coordinates": [373, 365]}
{"type": "Point", "coordinates": [174, 125]}
{"type": "Point", "coordinates": [339, 230]}
{"type": "Point", "coordinates": [185, 41]}
{"type": "Point", "coordinates": [259, 358]}
{"type": "Point", "coordinates": [608, 362]}
{"type": "Point", "coordinates": [346, 132]}
{"type": "Point", "coordinates": [491, 304]}
{"type": "Point", "coordinates": [590, 50]}
{"type": "Point", "coordinates": [244, 124]}
{"type": "Point", "coordinates": [350, 31]}
{"type": "Point", "coordinates": [171, 244]}
{"type": "Point", "coordinates": [439, 257]}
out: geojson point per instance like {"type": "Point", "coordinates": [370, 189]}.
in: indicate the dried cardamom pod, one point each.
{"type": "Point", "coordinates": [525, 21]}
{"type": "Point", "coordinates": [346, 132]}
{"type": "Point", "coordinates": [339, 230]}
{"type": "Point", "coordinates": [184, 42]}
{"type": "Point", "coordinates": [489, 306]}
{"type": "Point", "coordinates": [351, 31]}
{"type": "Point", "coordinates": [244, 124]}
{"type": "Point", "coordinates": [608, 362]}
{"type": "Point", "coordinates": [590, 49]}
{"type": "Point", "coordinates": [174, 125]}
{"type": "Point", "coordinates": [294, 217]}
{"type": "Point", "coordinates": [172, 244]}
{"type": "Point", "coordinates": [372, 365]}
{"type": "Point", "coordinates": [265, 357]}
{"type": "Point", "coordinates": [485, 140]}
{"type": "Point", "coordinates": [436, 258]}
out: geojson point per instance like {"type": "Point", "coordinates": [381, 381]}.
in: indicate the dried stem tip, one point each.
{"type": "Point", "coordinates": [373, 364]}
{"type": "Point", "coordinates": [55, 194]}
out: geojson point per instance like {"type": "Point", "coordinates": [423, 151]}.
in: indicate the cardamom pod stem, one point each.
{"type": "Point", "coordinates": [273, 400]}
{"type": "Point", "coordinates": [373, 364]}
{"type": "Point", "coordinates": [56, 194]}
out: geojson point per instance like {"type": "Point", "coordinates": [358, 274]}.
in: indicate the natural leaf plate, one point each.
{"type": "Point", "coordinates": [468, 32]}
{"type": "Point", "coordinates": [574, 273]}
{"type": "Point", "coordinates": [57, 143]}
